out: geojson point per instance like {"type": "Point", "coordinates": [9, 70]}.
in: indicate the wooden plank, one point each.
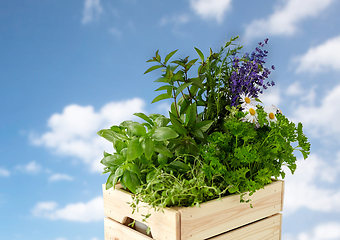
{"type": "Point", "coordinates": [211, 219]}
{"type": "Point", "coordinates": [265, 229]}
{"type": "Point", "coordinates": [215, 217]}
{"type": "Point", "coordinates": [164, 225]}
{"type": "Point", "coordinates": [117, 231]}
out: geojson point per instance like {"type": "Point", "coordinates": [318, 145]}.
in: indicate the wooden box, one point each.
{"type": "Point", "coordinates": [216, 220]}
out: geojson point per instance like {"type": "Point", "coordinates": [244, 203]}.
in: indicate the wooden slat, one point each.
{"type": "Point", "coordinates": [164, 225]}
{"type": "Point", "coordinates": [265, 229]}
{"type": "Point", "coordinates": [211, 219]}
{"type": "Point", "coordinates": [215, 217]}
{"type": "Point", "coordinates": [117, 231]}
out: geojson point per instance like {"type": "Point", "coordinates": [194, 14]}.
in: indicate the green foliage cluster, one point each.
{"type": "Point", "coordinates": [204, 149]}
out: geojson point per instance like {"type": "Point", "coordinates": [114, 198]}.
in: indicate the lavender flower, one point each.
{"type": "Point", "coordinates": [249, 74]}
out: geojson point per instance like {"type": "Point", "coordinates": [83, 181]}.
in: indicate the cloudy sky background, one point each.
{"type": "Point", "coordinates": [71, 68]}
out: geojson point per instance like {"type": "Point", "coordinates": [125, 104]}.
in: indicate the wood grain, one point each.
{"type": "Point", "coordinates": [195, 223]}
{"type": "Point", "coordinates": [265, 229]}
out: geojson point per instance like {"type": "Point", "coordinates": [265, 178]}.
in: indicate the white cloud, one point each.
{"type": "Point", "coordinates": [285, 18]}
{"type": "Point", "coordinates": [79, 212]}
{"type": "Point", "coordinates": [294, 89]}
{"type": "Point", "coordinates": [4, 172]}
{"type": "Point", "coordinates": [115, 32]}
{"type": "Point", "coordinates": [175, 19]}
{"type": "Point", "coordinates": [211, 9]}
{"type": "Point", "coordinates": [73, 132]}
{"type": "Point", "coordinates": [92, 10]}
{"type": "Point", "coordinates": [324, 231]}
{"type": "Point", "coordinates": [61, 239]}
{"type": "Point", "coordinates": [59, 177]}
{"type": "Point", "coordinates": [31, 168]}
{"type": "Point", "coordinates": [301, 190]}
{"type": "Point", "coordinates": [320, 58]}
{"type": "Point", "coordinates": [322, 119]}
{"type": "Point", "coordinates": [271, 96]}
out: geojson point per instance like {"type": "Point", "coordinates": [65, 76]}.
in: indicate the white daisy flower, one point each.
{"type": "Point", "coordinates": [277, 109]}
{"type": "Point", "coordinates": [246, 100]}
{"type": "Point", "coordinates": [251, 113]}
{"type": "Point", "coordinates": [271, 111]}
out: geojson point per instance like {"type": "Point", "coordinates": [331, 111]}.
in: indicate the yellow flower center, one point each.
{"type": "Point", "coordinates": [247, 100]}
{"type": "Point", "coordinates": [252, 111]}
{"type": "Point", "coordinates": [271, 115]}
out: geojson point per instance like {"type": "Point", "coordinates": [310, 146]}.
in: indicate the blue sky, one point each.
{"type": "Point", "coordinates": [71, 68]}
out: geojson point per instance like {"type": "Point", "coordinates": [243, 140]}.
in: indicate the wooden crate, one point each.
{"type": "Point", "coordinates": [226, 219]}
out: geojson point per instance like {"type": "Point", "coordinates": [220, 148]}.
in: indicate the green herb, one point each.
{"type": "Point", "coordinates": [217, 140]}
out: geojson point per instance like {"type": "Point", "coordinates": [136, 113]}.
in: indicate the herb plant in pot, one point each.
{"type": "Point", "coordinates": [212, 164]}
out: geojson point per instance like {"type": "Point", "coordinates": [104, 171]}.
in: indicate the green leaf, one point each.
{"type": "Point", "coordinates": [148, 147]}
{"type": "Point", "coordinates": [193, 90]}
{"type": "Point", "coordinates": [109, 182]}
{"type": "Point", "coordinates": [177, 125]}
{"type": "Point", "coordinates": [157, 56]}
{"type": "Point", "coordinates": [174, 109]}
{"type": "Point", "coordinates": [152, 60]}
{"type": "Point", "coordinates": [151, 175]}
{"type": "Point", "coordinates": [134, 149]}
{"type": "Point", "coordinates": [169, 56]}
{"type": "Point", "coordinates": [120, 136]}
{"type": "Point", "coordinates": [168, 88]}
{"type": "Point", "coordinates": [162, 79]}
{"type": "Point", "coordinates": [161, 97]}
{"type": "Point", "coordinates": [106, 154]}
{"type": "Point", "coordinates": [154, 116]}
{"type": "Point", "coordinates": [198, 133]}
{"type": "Point", "coordinates": [145, 118]}
{"type": "Point", "coordinates": [184, 106]}
{"type": "Point", "coordinates": [113, 160]}
{"type": "Point", "coordinates": [124, 152]}
{"type": "Point", "coordinates": [137, 129]}
{"type": "Point", "coordinates": [132, 168]}
{"type": "Point", "coordinates": [144, 160]}
{"type": "Point", "coordinates": [182, 87]}
{"type": "Point", "coordinates": [179, 166]}
{"type": "Point", "coordinates": [162, 159]}
{"type": "Point", "coordinates": [131, 181]}
{"type": "Point", "coordinates": [190, 64]}
{"type": "Point", "coordinates": [200, 54]}
{"type": "Point", "coordinates": [107, 134]}
{"type": "Point", "coordinates": [118, 173]}
{"type": "Point", "coordinates": [204, 125]}
{"type": "Point", "coordinates": [190, 117]}
{"type": "Point", "coordinates": [178, 76]}
{"type": "Point", "coordinates": [197, 82]}
{"type": "Point", "coordinates": [163, 150]}
{"type": "Point", "coordinates": [162, 121]}
{"type": "Point", "coordinates": [118, 145]}
{"type": "Point", "coordinates": [153, 68]}
{"type": "Point", "coordinates": [164, 133]}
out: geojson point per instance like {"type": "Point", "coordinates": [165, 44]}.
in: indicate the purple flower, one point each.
{"type": "Point", "coordinates": [249, 74]}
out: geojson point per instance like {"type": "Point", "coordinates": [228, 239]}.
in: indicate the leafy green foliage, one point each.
{"type": "Point", "coordinates": [206, 148]}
